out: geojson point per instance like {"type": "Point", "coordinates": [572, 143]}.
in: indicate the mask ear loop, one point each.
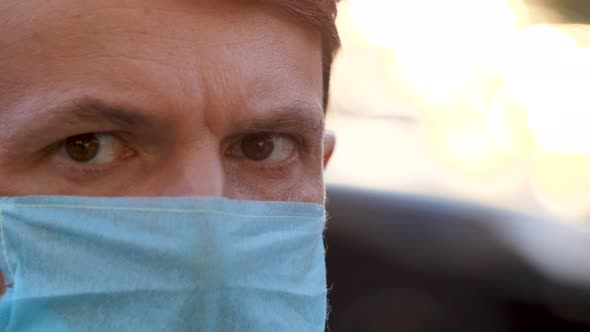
{"type": "Point", "coordinates": [4, 284]}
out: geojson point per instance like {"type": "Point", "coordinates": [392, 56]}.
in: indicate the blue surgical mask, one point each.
{"type": "Point", "coordinates": [161, 264]}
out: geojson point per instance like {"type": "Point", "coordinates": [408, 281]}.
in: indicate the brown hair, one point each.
{"type": "Point", "coordinates": [321, 14]}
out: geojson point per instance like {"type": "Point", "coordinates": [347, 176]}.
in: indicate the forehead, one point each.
{"type": "Point", "coordinates": [174, 53]}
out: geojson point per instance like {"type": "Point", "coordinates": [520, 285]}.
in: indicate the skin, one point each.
{"type": "Point", "coordinates": [175, 85]}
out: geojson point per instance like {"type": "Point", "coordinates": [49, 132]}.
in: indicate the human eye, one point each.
{"type": "Point", "coordinates": [90, 148]}
{"type": "Point", "coordinates": [265, 148]}
{"type": "Point", "coordinates": [92, 152]}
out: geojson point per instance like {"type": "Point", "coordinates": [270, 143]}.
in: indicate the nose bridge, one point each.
{"type": "Point", "coordinates": [198, 172]}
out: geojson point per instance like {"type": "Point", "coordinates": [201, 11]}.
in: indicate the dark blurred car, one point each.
{"type": "Point", "coordinates": [398, 262]}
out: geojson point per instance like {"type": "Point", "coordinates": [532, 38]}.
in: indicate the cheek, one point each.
{"type": "Point", "coordinates": [313, 189]}
{"type": "Point", "coordinates": [32, 183]}
{"type": "Point", "coordinates": [303, 184]}
{"type": "Point", "coordinates": [299, 192]}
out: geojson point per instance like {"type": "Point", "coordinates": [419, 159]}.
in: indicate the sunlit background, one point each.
{"type": "Point", "coordinates": [477, 100]}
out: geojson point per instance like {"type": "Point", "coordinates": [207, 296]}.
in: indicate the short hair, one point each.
{"type": "Point", "coordinates": [321, 15]}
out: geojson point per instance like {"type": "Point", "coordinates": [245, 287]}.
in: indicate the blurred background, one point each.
{"type": "Point", "coordinates": [477, 100]}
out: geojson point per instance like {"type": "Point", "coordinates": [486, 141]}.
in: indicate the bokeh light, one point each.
{"type": "Point", "coordinates": [465, 144]}
{"type": "Point", "coordinates": [561, 181]}
{"type": "Point", "coordinates": [440, 47]}
{"type": "Point", "coordinates": [501, 103]}
{"type": "Point", "coordinates": [547, 72]}
{"type": "Point", "coordinates": [427, 23]}
{"type": "Point", "coordinates": [475, 167]}
{"type": "Point", "coordinates": [508, 126]}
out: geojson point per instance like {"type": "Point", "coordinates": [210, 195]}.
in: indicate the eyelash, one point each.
{"type": "Point", "coordinates": [280, 167]}
{"type": "Point", "coordinates": [95, 170]}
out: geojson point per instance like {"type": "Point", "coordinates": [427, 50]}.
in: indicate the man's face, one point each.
{"type": "Point", "coordinates": [161, 97]}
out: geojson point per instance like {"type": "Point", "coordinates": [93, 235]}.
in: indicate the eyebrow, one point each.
{"type": "Point", "coordinates": [92, 110]}
{"type": "Point", "coordinates": [89, 111]}
{"type": "Point", "coordinates": [297, 115]}
{"type": "Point", "coordinates": [32, 124]}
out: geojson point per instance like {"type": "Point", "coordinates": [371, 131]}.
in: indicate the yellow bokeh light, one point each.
{"type": "Point", "coordinates": [445, 50]}
{"type": "Point", "coordinates": [472, 163]}
{"type": "Point", "coordinates": [508, 126]}
{"type": "Point", "coordinates": [439, 81]}
{"type": "Point", "coordinates": [548, 73]}
{"type": "Point", "coordinates": [489, 86]}
{"type": "Point", "coordinates": [440, 47]}
{"type": "Point", "coordinates": [561, 182]}
{"type": "Point", "coordinates": [579, 32]}
{"type": "Point", "coordinates": [402, 23]}
{"type": "Point", "coordinates": [465, 144]}
{"type": "Point", "coordinates": [533, 57]}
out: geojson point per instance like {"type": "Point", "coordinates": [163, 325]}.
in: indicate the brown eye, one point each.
{"type": "Point", "coordinates": [83, 148]}
{"type": "Point", "coordinates": [264, 148]}
{"type": "Point", "coordinates": [95, 148]}
{"type": "Point", "coordinates": [258, 147]}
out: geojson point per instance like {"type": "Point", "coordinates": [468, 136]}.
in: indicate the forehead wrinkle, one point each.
{"type": "Point", "coordinates": [275, 66]}
{"type": "Point", "coordinates": [76, 114]}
